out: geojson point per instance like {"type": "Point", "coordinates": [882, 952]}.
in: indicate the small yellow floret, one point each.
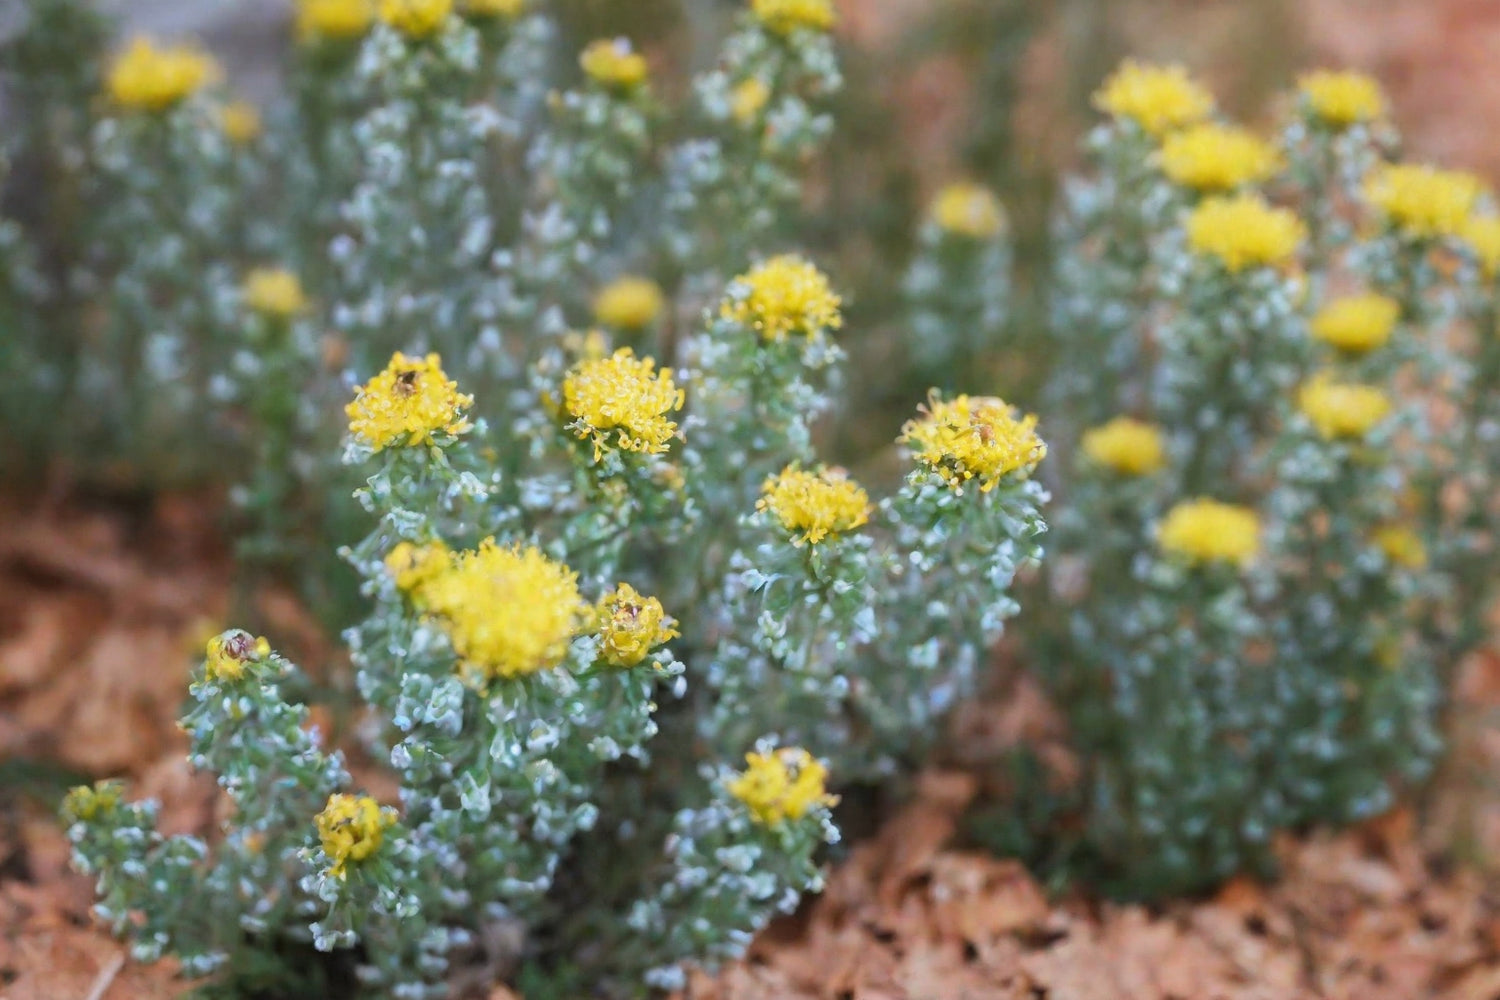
{"type": "Point", "coordinates": [407, 403]}
{"type": "Point", "coordinates": [1357, 324]}
{"type": "Point", "coordinates": [227, 655]}
{"type": "Point", "coordinates": [1424, 202]}
{"type": "Point", "coordinates": [146, 78]}
{"type": "Point", "coordinates": [1402, 546]}
{"type": "Point", "coordinates": [974, 437]}
{"type": "Point", "coordinates": [1203, 531]}
{"type": "Point", "coordinates": [85, 802]}
{"type": "Point", "coordinates": [1244, 231]}
{"type": "Point", "coordinates": [1157, 98]}
{"type": "Point", "coordinates": [1212, 157]}
{"type": "Point", "coordinates": [493, 8]}
{"type": "Point", "coordinates": [787, 16]}
{"type": "Point", "coordinates": [630, 626]}
{"type": "Point", "coordinates": [240, 121]}
{"type": "Point", "coordinates": [782, 785]}
{"type": "Point", "coordinates": [784, 296]}
{"type": "Point", "coordinates": [811, 506]}
{"type": "Point", "coordinates": [415, 18]}
{"type": "Point", "coordinates": [1481, 234]}
{"type": "Point", "coordinates": [612, 63]}
{"type": "Point", "coordinates": [968, 210]}
{"type": "Point", "coordinates": [351, 828]}
{"type": "Point", "coordinates": [629, 303]}
{"type": "Point", "coordinates": [622, 402]}
{"type": "Point", "coordinates": [748, 99]}
{"type": "Point", "coordinates": [414, 566]}
{"type": "Point", "coordinates": [1342, 99]}
{"type": "Point", "coordinates": [1342, 409]}
{"type": "Point", "coordinates": [1126, 446]}
{"type": "Point", "coordinates": [508, 611]}
{"type": "Point", "coordinates": [273, 292]}
{"type": "Point", "coordinates": [334, 19]}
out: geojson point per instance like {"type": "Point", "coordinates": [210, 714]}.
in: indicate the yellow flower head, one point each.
{"type": "Point", "coordinates": [86, 802]}
{"type": "Point", "coordinates": [623, 402]}
{"type": "Point", "coordinates": [1357, 324]}
{"type": "Point", "coordinates": [1424, 202]}
{"type": "Point", "coordinates": [1342, 409]}
{"type": "Point", "coordinates": [1402, 546]}
{"type": "Point", "coordinates": [782, 785]}
{"type": "Point", "coordinates": [407, 403]}
{"type": "Point", "coordinates": [974, 437]}
{"type": "Point", "coordinates": [335, 20]}
{"type": "Point", "coordinates": [493, 8]}
{"type": "Point", "coordinates": [813, 505]}
{"type": "Point", "coordinates": [748, 99]}
{"type": "Point", "coordinates": [1126, 446]}
{"type": "Point", "coordinates": [630, 626]}
{"type": "Point", "coordinates": [1481, 234]}
{"type": "Point", "coordinates": [1204, 531]}
{"type": "Point", "coordinates": [1213, 157]}
{"type": "Point", "coordinates": [787, 16]}
{"type": "Point", "coordinates": [629, 303]}
{"type": "Point", "coordinates": [351, 828]}
{"type": "Point", "coordinates": [273, 292]}
{"type": "Point", "coordinates": [413, 566]}
{"type": "Point", "coordinates": [1342, 99]}
{"type": "Point", "coordinates": [784, 296]}
{"type": "Point", "coordinates": [968, 210]}
{"type": "Point", "coordinates": [1157, 98]}
{"type": "Point", "coordinates": [240, 121]}
{"type": "Point", "coordinates": [415, 18]}
{"type": "Point", "coordinates": [508, 611]}
{"type": "Point", "coordinates": [146, 78]}
{"type": "Point", "coordinates": [228, 654]}
{"type": "Point", "coordinates": [612, 63]}
{"type": "Point", "coordinates": [1244, 231]}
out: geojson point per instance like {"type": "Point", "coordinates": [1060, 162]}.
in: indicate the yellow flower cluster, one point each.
{"type": "Point", "coordinates": [622, 401]}
{"type": "Point", "coordinates": [351, 828]}
{"type": "Point", "coordinates": [629, 303]}
{"type": "Point", "coordinates": [968, 210]}
{"type": "Point", "coordinates": [1126, 446]}
{"type": "Point", "coordinates": [240, 121]}
{"type": "Point", "coordinates": [407, 403]}
{"type": "Point", "coordinates": [784, 296]}
{"type": "Point", "coordinates": [1424, 202]}
{"type": "Point", "coordinates": [611, 63]}
{"type": "Point", "coordinates": [508, 611]}
{"type": "Point", "coordinates": [85, 802]}
{"type": "Point", "coordinates": [782, 785]}
{"type": "Point", "coordinates": [1204, 531]}
{"type": "Point", "coordinates": [1481, 234]}
{"type": "Point", "coordinates": [974, 437]}
{"type": "Point", "coordinates": [415, 18]}
{"type": "Point", "coordinates": [1401, 546]}
{"type": "Point", "coordinates": [630, 626]}
{"type": "Point", "coordinates": [786, 16]}
{"type": "Point", "coordinates": [814, 505]}
{"type": "Point", "coordinates": [1342, 99]}
{"type": "Point", "coordinates": [273, 292]}
{"type": "Point", "coordinates": [748, 99]}
{"type": "Point", "coordinates": [1244, 231]}
{"type": "Point", "coordinates": [493, 8]}
{"type": "Point", "coordinates": [147, 78]}
{"type": "Point", "coordinates": [1159, 99]}
{"type": "Point", "coordinates": [226, 656]}
{"type": "Point", "coordinates": [1213, 157]}
{"type": "Point", "coordinates": [334, 19]}
{"type": "Point", "coordinates": [414, 566]}
{"type": "Point", "coordinates": [1357, 324]}
{"type": "Point", "coordinates": [1342, 409]}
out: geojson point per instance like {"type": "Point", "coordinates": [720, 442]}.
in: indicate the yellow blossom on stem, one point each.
{"type": "Point", "coordinates": [493, 8]}
{"type": "Point", "coordinates": [1244, 231]}
{"type": "Point", "coordinates": [415, 18]}
{"type": "Point", "coordinates": [784, 296]}
{"type": "Point", "coordinates": [748, 99]}
{"type": "Point", "coordinates": [622, 402]}
{"type": "Point", "coordinates": [1206, 531]}
{"type": "Point", "coordinates": [414, 566]}
{"type": "Point", "coordinates": [227, 655]}
{"type": "Point", "coordinates": [1481, 234]}
{"type": "Point", "coordinates": [1357, 324]}
{"type": "Point", "coordinates": [814, 505]}
{"type": "Point", "coordinates": [974, 437]}
{"type": "Point", "coordinates": [629, 303]}
{"type": "Point", "coordinates": [630, 626]}
{"type": "Point", "coordinates": [1423, 202]}
{"type": "Point", "coordinates": [1127, 446]}
{"type": "Point", "coordinates": [240, 121]}
{"type": "Point", "coordinates": [147, 78]}
{"type": "Point", "coordinates": [968, 210]}
{"type": "Point", "coordinates": [1402, 546]}
{"type": "Point", "coordinates": [86, 802]}
{"type": "Point", "coordinates": [508, 611]}
{"type": "Point", "coordinates": [1342, 99]}
{"type": "Point", "coordinates": [1342, 409]}
{"type": "Point", "coordinates": [783, 17]}
{"type": "Point", "coordinates": [1213, 157]}
{"type": "Point", "coordinates": [407, 403]}
{"type": "Point", "coordinates": [612, 63]}
{"type": "Point", "coordinates": [273, 292]}
{"type": "Point", "coordinates": [350, 828]}
{"type": "Point", "coordinates": [334, 20]}
{"type": "Point", "coordinates": [1157, 98]}
{"type": "Point", "coordinates": [782, 785]}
